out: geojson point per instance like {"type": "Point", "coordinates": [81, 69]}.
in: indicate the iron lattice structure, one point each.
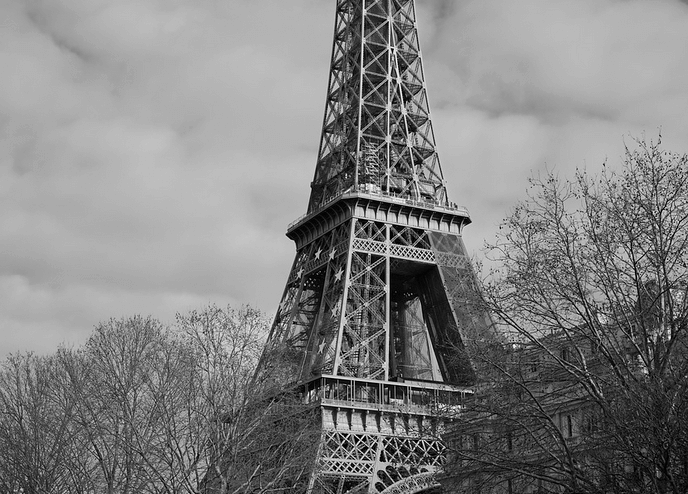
{"type": "Point", "coordinates": [375, 320]}
{"type": "Point", "coordinates": [377, 129]}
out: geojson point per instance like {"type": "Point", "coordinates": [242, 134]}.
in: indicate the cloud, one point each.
{"type": "Point", "coordinates": [153, 152]}
{"type": "Point", "coordinates": [598, 59]}
{"type": "Point", "coordinates": [517, 86]}
{"type": "Point", "coordinates": [149, 153]}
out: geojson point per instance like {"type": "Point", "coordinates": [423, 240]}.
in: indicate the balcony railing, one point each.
{"type": "Point", "coordinates": [365, 191]}
{"type": "Point", "coordinates": [403, 397]}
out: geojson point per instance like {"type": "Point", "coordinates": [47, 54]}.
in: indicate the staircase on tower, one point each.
{"type": "Point", "coordinates": [376, 324]}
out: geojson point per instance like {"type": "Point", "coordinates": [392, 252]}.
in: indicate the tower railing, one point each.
{"type": "Point", "coordinates": [370, 191]}
{"type": "Point", "coordinates": [418, 397]}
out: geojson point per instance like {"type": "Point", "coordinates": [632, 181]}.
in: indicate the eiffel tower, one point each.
{"type": "Point", "coordinates": [374, 324]}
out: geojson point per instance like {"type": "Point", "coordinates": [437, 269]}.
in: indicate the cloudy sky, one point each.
{"type": "Point", "coordinates": [153, 152]}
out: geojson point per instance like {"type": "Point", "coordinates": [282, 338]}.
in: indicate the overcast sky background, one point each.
{"type": "Point", "coordinates": [153, 152]}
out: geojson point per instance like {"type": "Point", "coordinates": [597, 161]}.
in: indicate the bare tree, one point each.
{"type": "Point", "coordinates": [250, 438]}
{"type": "Point", "coordinates": [221, 347]}
{"type": "Point", "coordinates": [146, 408]}
{"type": "Point", "coordinates": [591, 394]}
{"type": "Point", "coordinates": [117, 414]}
{"type": "Point", "coordinates": [170, 445]}
{"type": "Point", "coordinates": [38, 451]}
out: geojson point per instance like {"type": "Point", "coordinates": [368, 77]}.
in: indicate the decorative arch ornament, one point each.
{"type": "Point", "coordinates": [415, 484]}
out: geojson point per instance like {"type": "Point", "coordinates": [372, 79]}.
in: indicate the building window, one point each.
{"type": "Point", "coordinates": [589, 422]}
{"type": "Point", "coordinates": [568, 424]}
{"type": "Point", "coordinates": [534, 365]}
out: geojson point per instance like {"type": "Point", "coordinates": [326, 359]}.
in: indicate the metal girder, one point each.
{"type": "Point", "coordinates": [377, 132]}
{"type": "Point", "coordinates": [373, 319]}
